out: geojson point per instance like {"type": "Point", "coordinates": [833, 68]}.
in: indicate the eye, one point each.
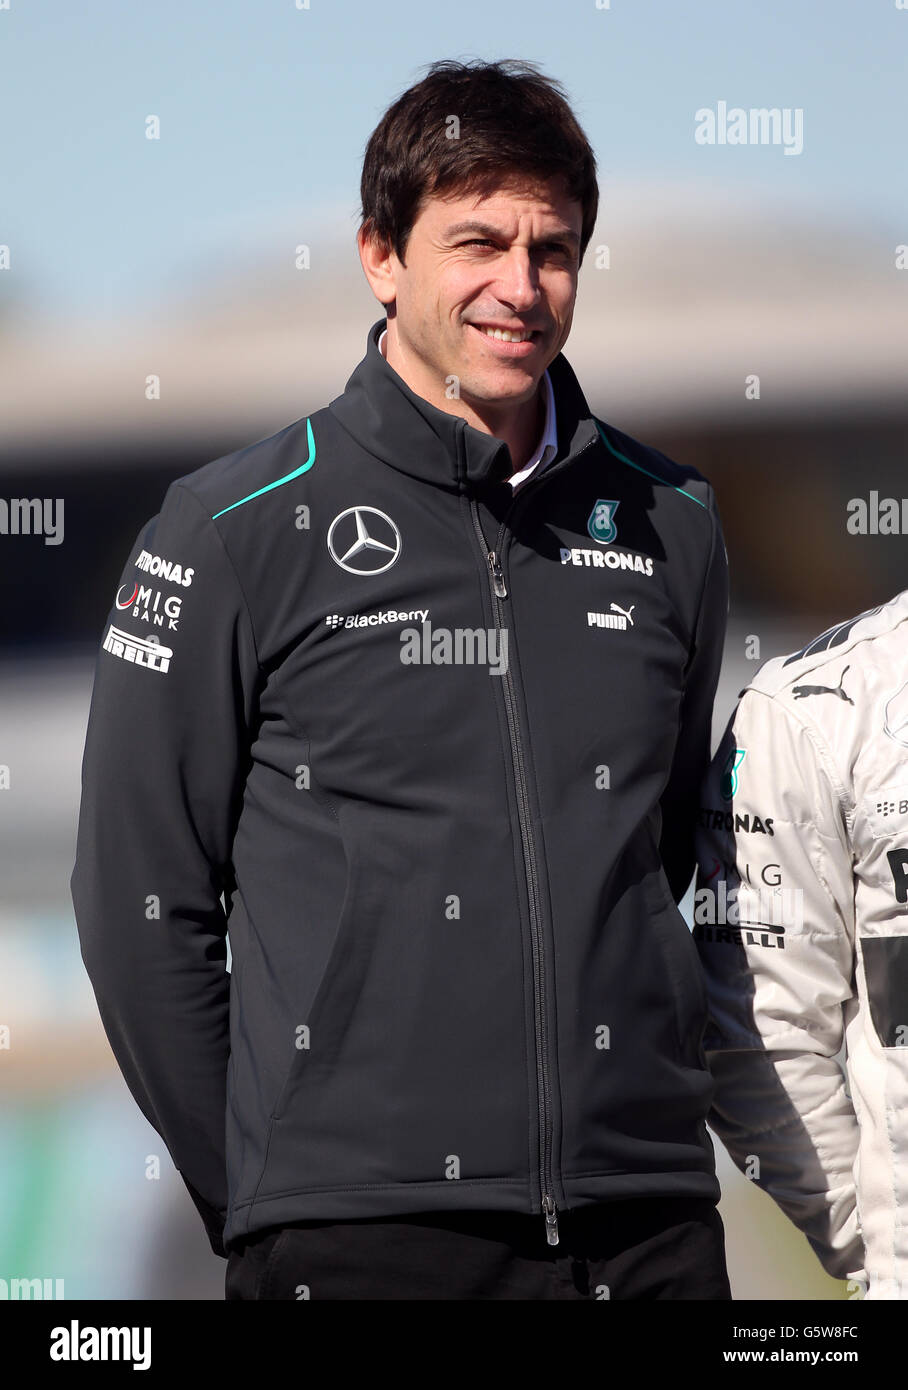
{"type": "Point", "coordinates": [478, 241]}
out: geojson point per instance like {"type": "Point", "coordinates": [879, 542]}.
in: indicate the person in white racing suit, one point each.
{"type": "Point", "coordinates": [801, 923]}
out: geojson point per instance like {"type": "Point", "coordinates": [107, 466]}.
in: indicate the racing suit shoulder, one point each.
{"type": "Point", "coordinates": [864, 639]}
{"type": "Point", "coordinates": [831, 687]}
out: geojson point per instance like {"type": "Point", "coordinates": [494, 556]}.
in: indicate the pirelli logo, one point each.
{"type": "Point", "coordinates": [139, 650]}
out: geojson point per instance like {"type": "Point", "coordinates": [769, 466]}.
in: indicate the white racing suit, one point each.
{"type": "Point", "coordinates": [801, 922]}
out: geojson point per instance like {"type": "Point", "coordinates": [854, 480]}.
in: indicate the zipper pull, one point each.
{"type": "Point", "coordinates": [551, 1220]}
{"type": "Point", "coordinates": [497, 575]}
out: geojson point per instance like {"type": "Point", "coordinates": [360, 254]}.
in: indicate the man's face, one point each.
{"type": "Point", "coordinates": [506, 261]}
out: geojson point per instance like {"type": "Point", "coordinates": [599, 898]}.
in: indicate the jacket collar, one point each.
{"type": "Point", "coordinates": [393, 423]}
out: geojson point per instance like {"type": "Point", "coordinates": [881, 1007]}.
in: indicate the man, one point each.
{"type": "Point", "coordinates": [801, 919]}
{"type": "Point", "coordinates": [440, 746]}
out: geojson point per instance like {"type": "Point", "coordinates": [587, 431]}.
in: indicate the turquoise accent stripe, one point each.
{"type": "Point", "coordinates": [640, 469]}
{"type": "Point", "coordinates": [303, 468]}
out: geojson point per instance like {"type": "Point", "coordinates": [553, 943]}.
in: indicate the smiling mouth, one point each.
{"type": "Point", "coordinates": [507, 335]}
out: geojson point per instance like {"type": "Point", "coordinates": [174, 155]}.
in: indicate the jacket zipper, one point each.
{"type": "Point", "coordinates": [543, 1080]}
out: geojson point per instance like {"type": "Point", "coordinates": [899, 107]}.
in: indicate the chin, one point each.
{"type": "Point", "coordinates": [501, 389]}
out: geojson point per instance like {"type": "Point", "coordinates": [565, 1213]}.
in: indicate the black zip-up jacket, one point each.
{"type": "Point", "coordinates": [439, 747]}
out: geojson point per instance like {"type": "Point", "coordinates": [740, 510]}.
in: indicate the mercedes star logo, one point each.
{"type": "Point", "coordinates": [363, 540]}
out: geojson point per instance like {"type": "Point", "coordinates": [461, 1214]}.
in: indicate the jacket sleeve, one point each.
{"type": "Point", "coordinates": [680, 799]}
{"type": "Point", "coordinates": [162, 779]}
{"type": "Point", "coordinates": [775, 864]}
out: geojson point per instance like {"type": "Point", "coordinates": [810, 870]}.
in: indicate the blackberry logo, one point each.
{"type": "Point", "coordinates": [387, 615]}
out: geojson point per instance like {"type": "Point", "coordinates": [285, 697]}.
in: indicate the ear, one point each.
{"type": "Point", "coordinates": [378, 262]}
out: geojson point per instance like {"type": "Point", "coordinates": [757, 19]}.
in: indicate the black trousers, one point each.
{"type": "Point", "coordinates": [642, 1248]}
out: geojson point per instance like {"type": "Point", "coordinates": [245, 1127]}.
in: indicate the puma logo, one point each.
{"type": "Point", "coordinates": [616, 608]}
{"type": "Point", "coordinates": [799, 691]}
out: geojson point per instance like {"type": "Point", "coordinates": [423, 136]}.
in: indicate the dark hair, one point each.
{"type": "Point", "coordinates": [515, 123]}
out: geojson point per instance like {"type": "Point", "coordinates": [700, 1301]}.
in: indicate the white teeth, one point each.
{"type": "Point", "coordinates": [504, 335]}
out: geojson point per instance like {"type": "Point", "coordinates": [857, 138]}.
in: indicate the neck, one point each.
{"type": "Point", "coordinates": [518, 425]}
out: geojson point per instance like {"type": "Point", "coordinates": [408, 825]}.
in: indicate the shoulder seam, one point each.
{"type": "Point", "coordinates": [296, 472]}
{"type": "Point", "coordinates": [229, 558]}
{"type": "Point", "coordinates": [640, 469]}
{"type": "Point", "coordinates": [713, 514]}
{"type": "Point", "coordinates": [846, 803]}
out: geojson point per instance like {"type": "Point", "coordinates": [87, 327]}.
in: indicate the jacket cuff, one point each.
{"type": "Point", "coordinates": [214, 1220]}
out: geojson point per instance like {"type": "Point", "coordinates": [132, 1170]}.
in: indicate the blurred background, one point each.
{"type": "Point", "coordinates": [124, 257]}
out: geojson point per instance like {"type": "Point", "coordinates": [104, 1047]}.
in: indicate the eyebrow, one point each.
{"type": "Point", "coordinates": [485, 229]}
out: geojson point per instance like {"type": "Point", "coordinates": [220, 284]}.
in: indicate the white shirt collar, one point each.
{"type": "Point", "coordinates": [547, 445]}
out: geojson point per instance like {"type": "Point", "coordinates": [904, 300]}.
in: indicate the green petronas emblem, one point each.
{"type": "Point", "coordinates": [729, 783]}
{"type": "Point", "coordinates": [601, 524]}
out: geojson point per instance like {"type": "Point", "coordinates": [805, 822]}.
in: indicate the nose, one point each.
{"type": "Point", "coordinates": [518, 280]}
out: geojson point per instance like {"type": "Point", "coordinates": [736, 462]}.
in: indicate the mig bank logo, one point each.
{"type": "Point", "coordinates": [728, 786]}
{"type": "Point", "coordinates": [601, 524]}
